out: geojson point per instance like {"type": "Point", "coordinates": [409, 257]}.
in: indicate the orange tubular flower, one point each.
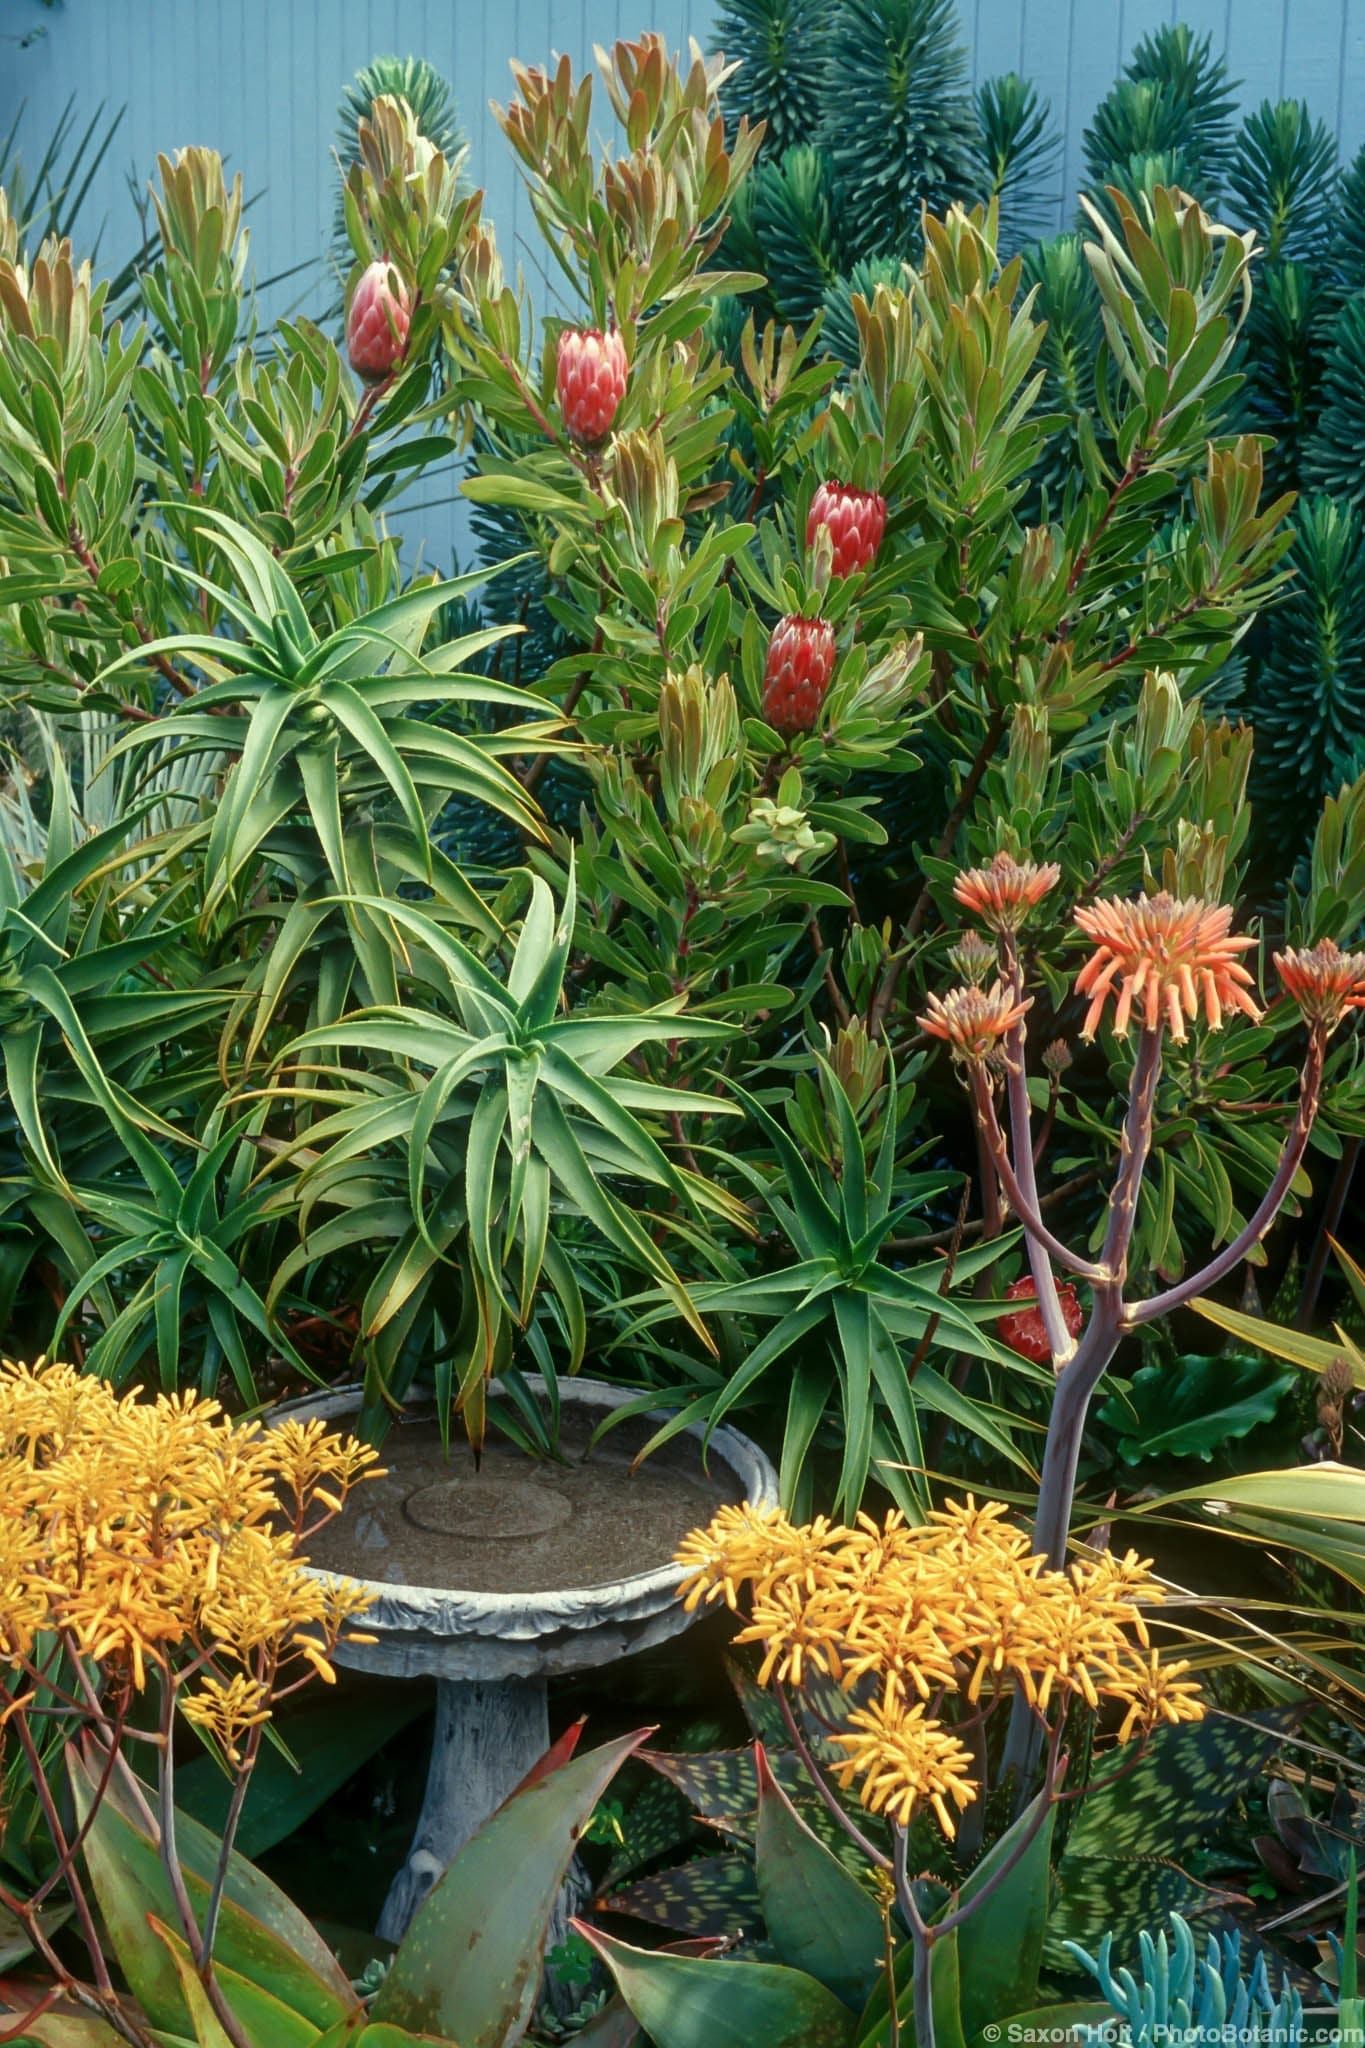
{"type": "Point", "coordinates": [1003, 894]}
{"type": "Point", "coordinates": [1323, 981]}
{"type": "Point", "coordinates": [1170, 957]}
{"type": "Point", "coordinates": [974, 1020]}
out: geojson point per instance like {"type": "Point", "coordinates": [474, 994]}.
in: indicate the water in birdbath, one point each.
{"type": "Point", "coordinates": [517, 1524]}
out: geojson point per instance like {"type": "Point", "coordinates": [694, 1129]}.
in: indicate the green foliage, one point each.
{"type": "Point", "coordinates": [1307, 694]}
{"type": "Point", "coordinates": [468, 1970]}
{"type": "Point", "coordinates": [1191, 1407]}
{"type": "Point", "coordinates": [421, 87]}
{"type": "Point", "coordinates": [781, 50]}
{"type": "Point", "coordinates": [1190, 1996]}
{"type": "Point", "coordinates": [900, 131]}
{"type": "Point", "coordinates": [1020, 151]}
{"type": "Point", "coordinates": [1168, 119]}
{"type": "Point", "coordinates": [1282, 180]}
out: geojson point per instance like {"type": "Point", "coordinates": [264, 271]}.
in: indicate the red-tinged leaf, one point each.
{"type": "Point", "coordinates": [469, 1966]}
{"type": "Point", "coordinates": [558, 1753]}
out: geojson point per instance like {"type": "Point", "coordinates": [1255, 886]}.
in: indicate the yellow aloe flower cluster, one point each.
{"type": "Point", "coordinates": [160, 1534]}
{"type": "Point", "coordinates": [907, 1619]}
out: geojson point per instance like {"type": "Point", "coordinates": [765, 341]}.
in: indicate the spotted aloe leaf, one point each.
{"type": "Point", "coordinates": [713, 1895]}
{"type": "Point", "coordinates": [469, 1966]}
{"type": "Point", "coordinates": [1120, 1869]}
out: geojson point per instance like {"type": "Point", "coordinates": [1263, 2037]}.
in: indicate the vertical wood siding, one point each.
{"type": "Point", "coordinates": [260, 80]}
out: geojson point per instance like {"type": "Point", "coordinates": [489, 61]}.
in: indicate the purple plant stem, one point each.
{"type": "Point", "coordinates": [1231, 1256]}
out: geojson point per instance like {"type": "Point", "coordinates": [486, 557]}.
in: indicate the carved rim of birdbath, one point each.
{"type": "Point", "coordinates": [457, 1633]}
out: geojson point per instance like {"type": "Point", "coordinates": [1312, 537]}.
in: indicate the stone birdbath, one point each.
{"type": "Point", "coordinates": [494, 1580]}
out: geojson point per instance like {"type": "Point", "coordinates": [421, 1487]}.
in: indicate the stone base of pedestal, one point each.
{"type": "Point", "coordinates": [487, 1737]}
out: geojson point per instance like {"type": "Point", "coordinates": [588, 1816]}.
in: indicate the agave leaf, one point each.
{"type": "Point", "coordinates": [690, 2002]}
{"type": "Point", "coordinates": [819, 1918]}
{"type": "Point", "coordinates": [469, 1966]}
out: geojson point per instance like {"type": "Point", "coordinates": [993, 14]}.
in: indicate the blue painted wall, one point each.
{"type": "Point", "coordinates": [260, 79]}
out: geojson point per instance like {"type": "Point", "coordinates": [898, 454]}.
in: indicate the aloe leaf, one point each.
{"type": "Point", "coordinates": [1000, 1943]}
{"type": "Point", "coordinates": [261, 2017]}
{"type": "Point", "coordinates": [819, 1918]}
{"type": "Point", "coordinates": [470, 1964]}
{"type": "Point", "coordinates": [261, 1934]}
{"type": "Point", "coordinates": [694, 2002]}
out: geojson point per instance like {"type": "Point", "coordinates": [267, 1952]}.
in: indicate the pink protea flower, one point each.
{"type": "Point", "coordinates": [590, 381]}
{"type": "Point", "coordinates": [856, 521]}
{"type": "Point", "coordinates": [973, 1021]}
{"type": "Point", "coordinates": [1323, 981]}
{"type": "Point", "coordinates": [797, 673]}
{"type": "Point", "coordinates": [1003, 894]}
{"type": "Point", "coordinates": [1022, 1328]}
{"type": "Point", "coordinates": [1170, 956]}
{"type": "Point", "coordinates": [377, 322]}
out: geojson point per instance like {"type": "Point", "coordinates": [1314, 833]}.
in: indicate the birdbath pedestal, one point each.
{"type": "Point", "coordinates": [493, 1581]}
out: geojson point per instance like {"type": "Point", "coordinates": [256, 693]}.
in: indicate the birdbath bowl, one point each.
{"type": "Point", "coordinates": [493, 1581]}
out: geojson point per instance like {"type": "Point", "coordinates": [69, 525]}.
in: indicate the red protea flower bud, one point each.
{"type": "Point", "coordinates": [856, 522]}
{"type": "Point", "coordinates": [377, 322]}
{"type": "Point", "coordinates": [796, 674]}
{"type": "Point", "coordinates": [590, 381]}
{"type": "Point", "coordinates": [1022, 1329]}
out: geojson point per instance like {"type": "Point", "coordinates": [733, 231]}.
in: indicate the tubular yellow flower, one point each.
{"type": "Point", "coordinates": [915, 1623]}
{"type": "Point", "coordinates": [1323, 981]}
{"type": "Point", "coordinates": [228, 1712]}
{"type": "Point", "coordinates": [974, 1020]}
{"type": "Point", "coordinates": [159, 1534]}
{"type": "Point", "coordinates": [1003, 894]}
{"type": "Point", "coordinates": [1168, 957]}
{"type": "Point", "coordinates": [905, 1760]}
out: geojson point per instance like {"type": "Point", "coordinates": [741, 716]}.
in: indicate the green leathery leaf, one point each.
{"type": "Point", "coordinates": [261, 1934]}
{"type": "Point", "coordinates": [819, 1918]}
{"type": "Point", "coordinates": [1000, 1944]}
{"type": "Point", "coordinates": [695, 2002]}
{"type": "Point", "coordinates": [469, 1965]}
{"type": "Point", "coordinates": [261, 2017]}
{"type": "Point", "coordinates": [945, 1981]}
